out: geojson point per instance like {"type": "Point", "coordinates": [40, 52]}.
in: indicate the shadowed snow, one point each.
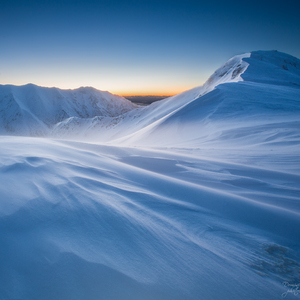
{"type": "Point", "coordinates": [192, 197]}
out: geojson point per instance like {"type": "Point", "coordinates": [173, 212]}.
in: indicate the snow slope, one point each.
{"type": "Point", "coordinates": [136, 122]}
{"type": "Point", "coordinates": [193, 197]}
{"type": "Point", "coordinates": [103, 222]}
{"type": "Point", "coordinates": [243, 109]}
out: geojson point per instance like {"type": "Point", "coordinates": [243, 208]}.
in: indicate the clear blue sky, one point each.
{"type": "Point", "coordinates": [137, 47]}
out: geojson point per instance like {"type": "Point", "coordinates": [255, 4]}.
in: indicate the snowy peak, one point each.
{"type": "Point", "coordinates": [231, 71]}
{"type": "Point", "coordinates": [256, 91]}
{"type": "Point", "coordinates": [33, 110]}
{"type": "Point", "coordinates": [272, 67]}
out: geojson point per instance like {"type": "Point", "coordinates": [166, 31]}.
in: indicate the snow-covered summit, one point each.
{"type": "Point", "coordinates": [231, 71]}
{"type": "Point", "coordinates": [272, 67]}
{"type": "Point", "coordinates": [255, 90]}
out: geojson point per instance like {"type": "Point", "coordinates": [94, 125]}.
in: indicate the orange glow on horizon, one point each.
{"type": "Point", "coordinates": [154, 92]}
{"type": "Point", "coordinates": [146, 94]}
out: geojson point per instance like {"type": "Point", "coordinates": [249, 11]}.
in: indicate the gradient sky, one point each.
{"type": "Point", "coordinates": [137, 47]}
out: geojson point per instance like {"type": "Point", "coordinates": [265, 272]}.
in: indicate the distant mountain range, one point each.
{"type": "Point", "coordinates": [31, 110]}
{"type": "Point", "coordinates": [145, 100]}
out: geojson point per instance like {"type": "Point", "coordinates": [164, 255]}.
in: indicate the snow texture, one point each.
{"type": "Point", "coordinates": [192, 197]}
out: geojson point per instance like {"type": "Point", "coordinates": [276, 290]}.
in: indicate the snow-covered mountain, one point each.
{"type": "Point", "coordinates": [33, 111]}
{"type": "Point", "coordinates": [138, 121]}
{"type": "Point", "coordinates": [193, 197]}
{"type": "Point", "coordinates": [232, 95]}
{"type": "Point", "coordinates": [252, 99]}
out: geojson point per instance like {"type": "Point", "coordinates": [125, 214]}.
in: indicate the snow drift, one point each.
{"type": "Point", "coordinates": [192, 197]}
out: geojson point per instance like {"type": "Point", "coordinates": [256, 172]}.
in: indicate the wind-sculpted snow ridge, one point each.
{"type": "Point", "coordinates": [244, 103]}
{"type": "Point", "coordinates": [136, 122]}
{"type": "Point", "coordinates": [81, 221]}
{"type": "Point", "coordinates": [33, 111]}
{"type": "Point", "coordinates": [273, 67]}
{"type": "Point", "coordinates": [231, 71]}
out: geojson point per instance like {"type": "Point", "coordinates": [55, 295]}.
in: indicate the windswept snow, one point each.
{"type": "Point", "coordinates": [90, 222]}
{"type": "Point", "coordinates": [231, 71]}
{"type": "Point", "coordinates": [273, 67]}
{"type": "Point", "coordinates": [192, 197]}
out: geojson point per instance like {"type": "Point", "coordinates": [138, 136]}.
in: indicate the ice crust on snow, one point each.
{"type": "Point", "coordinates": [195, 196]}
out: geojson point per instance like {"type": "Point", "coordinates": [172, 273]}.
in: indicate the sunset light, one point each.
{"type": "Point", "coordinates": [134, 47]}
{"type": "Point", "coordinates": [149, 149]}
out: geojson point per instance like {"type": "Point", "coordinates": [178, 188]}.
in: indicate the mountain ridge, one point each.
{"type": "Point", "coordinates": [96, 116]}
{"type": "Point", "coordinates": [33, 107]}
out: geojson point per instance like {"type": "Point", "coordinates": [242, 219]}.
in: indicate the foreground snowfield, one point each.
{"type": "Point", "coordinates": [83, 221]}
{"type": "Point", "coordinates": [192, 197]}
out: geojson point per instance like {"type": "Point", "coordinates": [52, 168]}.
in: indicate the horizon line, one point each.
{"type": "Point", "coordinates": [114, 92]}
